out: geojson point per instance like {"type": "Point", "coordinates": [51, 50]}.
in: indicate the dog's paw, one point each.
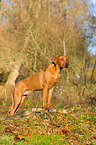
{"type": "Point", "coordinates": [49, 106]}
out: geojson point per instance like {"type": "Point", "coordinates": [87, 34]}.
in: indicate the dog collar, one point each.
{"type": "Point", "coordinates": [61, 68]}
{"type": "Point", "coordinates": [54, 63]}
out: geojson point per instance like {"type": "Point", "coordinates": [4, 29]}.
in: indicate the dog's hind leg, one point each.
{"type": "Point", "coordinates": [21, 103]}
{"type": "Point", "coordinates": [18, 101]}
{"type": "Point", "coordinates": [22, 100]}
{"type": "Point", "coordinates": [16, 104]}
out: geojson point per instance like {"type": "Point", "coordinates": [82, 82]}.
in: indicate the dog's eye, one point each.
{"type": "Point", "coordinates": [66, 59]}
{"type": "Point", "coordinates": [62, 59]}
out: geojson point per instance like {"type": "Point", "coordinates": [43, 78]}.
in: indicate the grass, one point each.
{"type": "Point", "coordinates": [78, 126]}
{"type": "Point", "coordinates": [34, 140]}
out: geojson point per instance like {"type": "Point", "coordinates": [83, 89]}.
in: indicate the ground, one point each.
{"type": "Point", "coordinates": [59, 127]}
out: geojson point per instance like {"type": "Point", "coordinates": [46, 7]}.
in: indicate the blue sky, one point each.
{"type": "Point", "coordinates": [92, 46]}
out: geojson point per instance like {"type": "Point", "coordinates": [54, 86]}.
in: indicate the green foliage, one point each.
{"type": "Point", "coordinates": [6, 139]}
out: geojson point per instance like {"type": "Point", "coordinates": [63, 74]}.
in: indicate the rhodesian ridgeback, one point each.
{"type": "Point", "coordinates": [44, 80]}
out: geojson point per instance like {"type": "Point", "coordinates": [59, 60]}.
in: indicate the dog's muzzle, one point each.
{"type": "Point", "coordinates": [66, 65]}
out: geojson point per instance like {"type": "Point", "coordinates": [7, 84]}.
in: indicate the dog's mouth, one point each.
{"type": "Point", "coordinates": [65, 66]}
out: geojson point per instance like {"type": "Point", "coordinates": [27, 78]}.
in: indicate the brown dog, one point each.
{"type": "Point", "coordinates": [44, 80]}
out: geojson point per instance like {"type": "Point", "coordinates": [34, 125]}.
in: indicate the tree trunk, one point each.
{"type": "Point", "coordinates": [93, 72]}
{"type": "Point", "coordinates": [7, 91]}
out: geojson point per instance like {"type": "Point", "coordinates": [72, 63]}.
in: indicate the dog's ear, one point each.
{"type": "Point", "coordinates": [55, 59]}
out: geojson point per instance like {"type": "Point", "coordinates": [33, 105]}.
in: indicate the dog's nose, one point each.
{"type": "Point", "coordinates": [66, 63]}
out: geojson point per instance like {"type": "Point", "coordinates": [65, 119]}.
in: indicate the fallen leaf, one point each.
{"type": "Point", "coordinates": [86, 143]}
{"type": "Point", "coordinates": [1, 109]}
{"type": "Point", "coordinates": [8, 130]}
{"type": "Point", "coordinates": [19, 137]}
{"type": "Point", "coordinates": [94, 136]}
{"type": "Point", "coordinates": [64, 131]}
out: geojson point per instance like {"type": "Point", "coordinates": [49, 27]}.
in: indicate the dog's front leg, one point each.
{"type": "Point", "coordinates": [49, 97]}
{"type": "Point", "coordinates": [45, 88]}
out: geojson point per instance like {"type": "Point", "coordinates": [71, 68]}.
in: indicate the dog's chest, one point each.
{"type": "Point", "coordinates": [51, 76]}
{"type": "Point", "coordinates": [53, 80]}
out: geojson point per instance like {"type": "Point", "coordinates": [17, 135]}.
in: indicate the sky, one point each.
{"type": "Point", "coordinates": [92, 46]}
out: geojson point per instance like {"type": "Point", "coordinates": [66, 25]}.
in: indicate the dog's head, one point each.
{"type": "Point", "coordinates": [62, 61]}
